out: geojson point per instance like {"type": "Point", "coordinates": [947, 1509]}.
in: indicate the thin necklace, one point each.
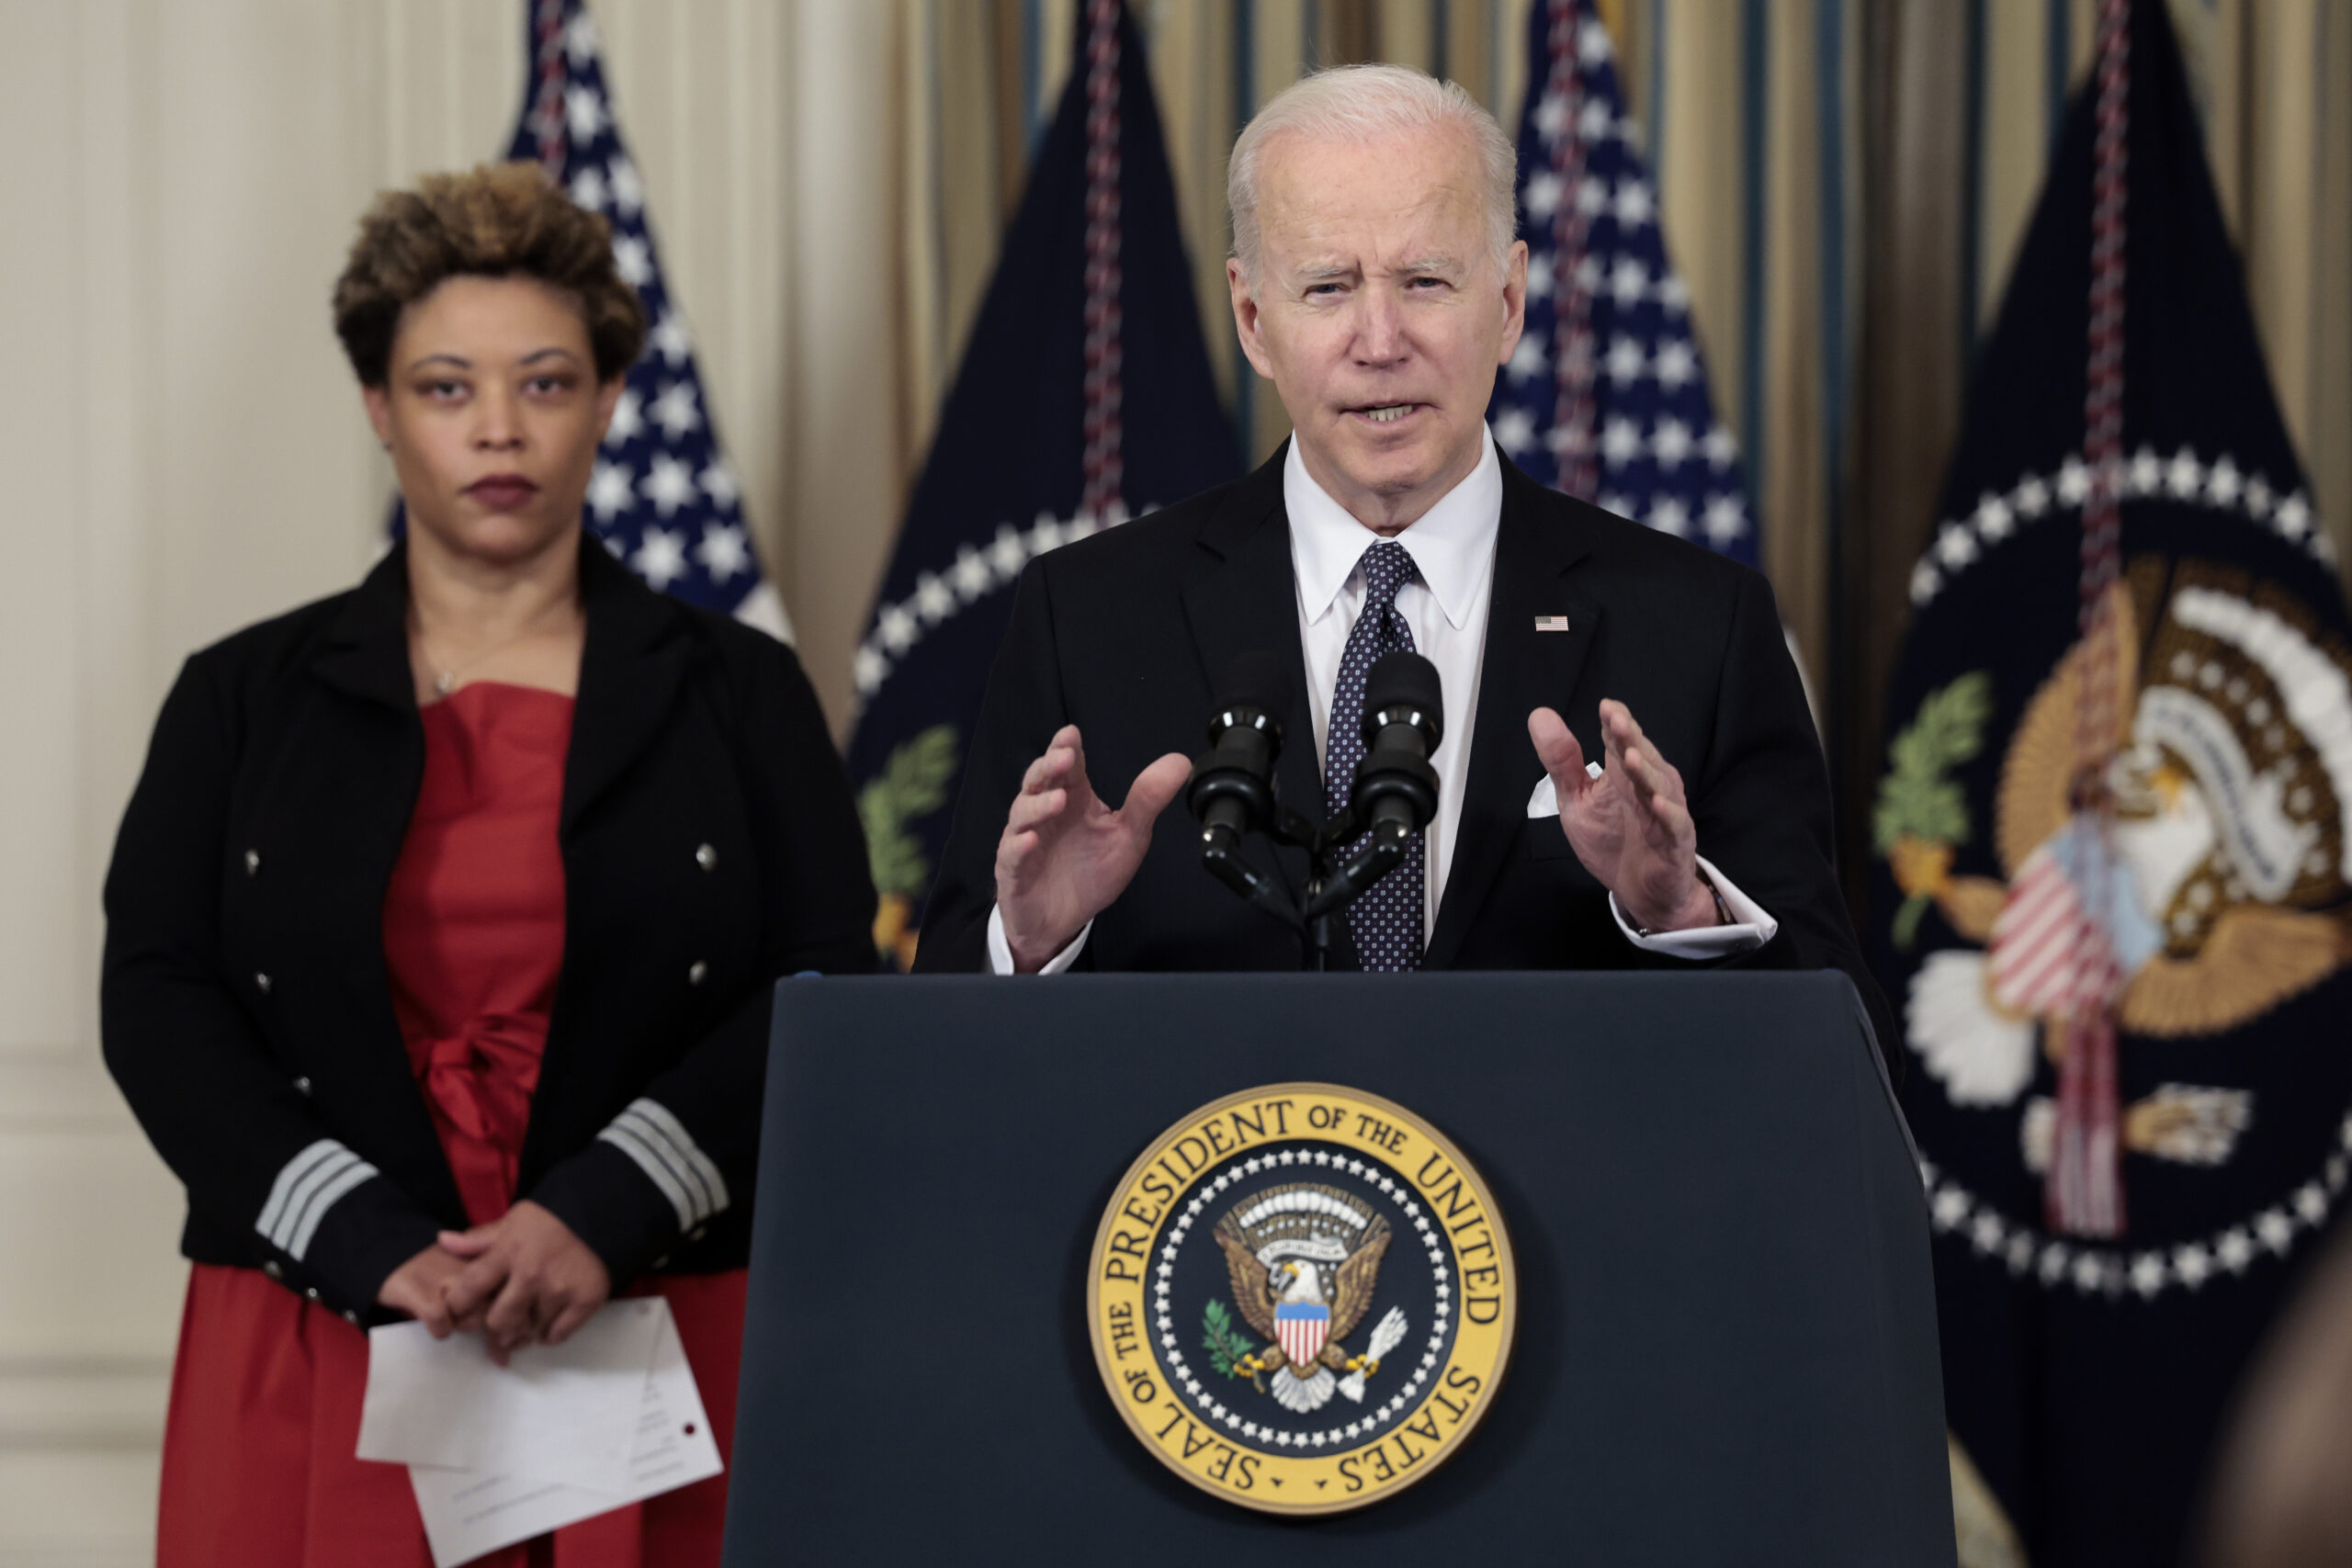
{"type": "Point", "coordinates": [444, 679]}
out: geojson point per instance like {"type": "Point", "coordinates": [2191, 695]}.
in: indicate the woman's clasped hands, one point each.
{"type": "Point", "coordinates": [524, 1279]}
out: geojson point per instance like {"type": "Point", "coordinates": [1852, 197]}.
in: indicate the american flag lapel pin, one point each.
{"type": "Point", "coordinates": [1550, 623]}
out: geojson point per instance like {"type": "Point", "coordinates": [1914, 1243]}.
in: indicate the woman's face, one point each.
{"type": "Point", "coordinates": [491, 410]}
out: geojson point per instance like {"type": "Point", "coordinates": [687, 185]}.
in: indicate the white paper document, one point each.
{"type": "Point", "coordinates": [500, 1455]}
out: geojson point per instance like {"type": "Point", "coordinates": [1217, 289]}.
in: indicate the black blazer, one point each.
{"type": "Point", "coordinates": [709, 846]}
{"type": "Point", "coordinates": [1127, 634]}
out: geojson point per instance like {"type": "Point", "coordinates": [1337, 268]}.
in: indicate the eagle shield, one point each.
{"type": "Point", "coordinates": [1299, 1329]}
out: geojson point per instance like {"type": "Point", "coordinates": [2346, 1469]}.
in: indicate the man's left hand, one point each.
{"type": "Point", "coordinates": [527, 1278]}
{"type": "Point", "coordinates": [1631, 826]}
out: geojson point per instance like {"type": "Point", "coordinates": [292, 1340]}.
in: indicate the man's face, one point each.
{"type": "Point", "coordinates": [1378, 313]}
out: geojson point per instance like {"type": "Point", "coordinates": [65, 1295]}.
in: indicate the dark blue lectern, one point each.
{"type": "Point", "coordinates": [1725, 1347]}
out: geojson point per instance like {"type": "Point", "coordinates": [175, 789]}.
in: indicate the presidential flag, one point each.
{"type": "Point", "coordinates": [661, 498]}
{"type": "Point", "coordinates": [1084, 396]}
{"type": "Point", "coordinates": [2114, 850]}
{"type": "Point", "coordinates": [1606, 395]}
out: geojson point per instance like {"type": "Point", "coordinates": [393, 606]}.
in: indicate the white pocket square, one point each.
{"type": "Point", "coordinates": [1545, 801]}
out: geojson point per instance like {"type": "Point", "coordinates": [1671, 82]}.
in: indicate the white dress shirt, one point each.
{"type": "Point", "coordinates": [1452, 547]}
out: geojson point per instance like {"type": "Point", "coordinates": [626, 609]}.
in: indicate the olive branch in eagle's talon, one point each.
{"type": "Point", "coordinates": [1228, 1352]}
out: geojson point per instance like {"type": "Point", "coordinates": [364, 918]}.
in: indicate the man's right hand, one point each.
{"type": "Point", "coordinates": [1065, 856]}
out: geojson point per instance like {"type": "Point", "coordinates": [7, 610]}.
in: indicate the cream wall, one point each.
{"type": "Point", "coordinates": [181, 452]}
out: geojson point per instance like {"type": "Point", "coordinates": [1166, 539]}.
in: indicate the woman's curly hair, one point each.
{"type": "Point", "coordinates": [497, 220]}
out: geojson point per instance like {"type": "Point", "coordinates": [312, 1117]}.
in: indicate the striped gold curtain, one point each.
{"type": "Point", "coordinates": [1844, 183]}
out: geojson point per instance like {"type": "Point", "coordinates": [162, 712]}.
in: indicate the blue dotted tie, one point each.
{"type": "Point", "coordinates": [1386, 921]}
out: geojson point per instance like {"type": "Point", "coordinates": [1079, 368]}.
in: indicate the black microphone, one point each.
{"type": "Point", "coordinates": [1404, 718]}
{"type": "Point", "coordinates": [1395, 791]}
{"type": "Point", "coordinates": [1232, 790]}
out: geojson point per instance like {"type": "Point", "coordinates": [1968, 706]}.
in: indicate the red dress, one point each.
{"type": "Point", "coordinates": [258, 1448]}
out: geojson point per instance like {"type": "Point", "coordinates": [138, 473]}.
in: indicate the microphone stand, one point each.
{"type": "Point", "coordinates": [1333, 883]}
{"type": "Point", "coordinates": [1395, 791]}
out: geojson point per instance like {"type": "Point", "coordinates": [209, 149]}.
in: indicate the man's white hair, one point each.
{"type": "Point", "coordinates": [1367, 102]}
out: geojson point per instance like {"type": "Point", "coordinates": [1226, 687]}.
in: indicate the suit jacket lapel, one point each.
{"type": "Point", "coordinates": [1523, 668]}
{"type": "Point", "coordinates": [630, 675]}
{"type": "Point", "coordinates": [1245, 600]}
{"type": "Point", "coordinates": [365, 649]}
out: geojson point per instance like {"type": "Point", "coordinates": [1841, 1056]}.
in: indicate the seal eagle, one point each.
{"type": "Point", "coordinates": [1315, 1248]}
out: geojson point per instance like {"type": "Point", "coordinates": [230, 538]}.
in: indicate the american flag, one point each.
{"type": "Point", "coordinates": [1606, 396]}
{"type": "Point", "coordinates": [663, 498]}
{"type": "Point", "coordinates": [2070, 932]}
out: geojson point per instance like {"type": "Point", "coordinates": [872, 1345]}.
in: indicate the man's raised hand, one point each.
{"type": "Point", "coordinates": [1631, 826]}
{"type": "Point", "coordinates": [1065, 856]}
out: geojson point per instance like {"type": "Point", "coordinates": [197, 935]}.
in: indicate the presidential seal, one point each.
{"type": "Point", "coordinates": [1301, 1298]}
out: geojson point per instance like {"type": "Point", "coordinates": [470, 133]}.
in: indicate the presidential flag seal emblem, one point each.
{"type": "Point", "coordinates": [1302, 1297]}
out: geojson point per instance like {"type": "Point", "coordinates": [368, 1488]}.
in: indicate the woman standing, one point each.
{"type": "Point", "coordinates": [442, 925]}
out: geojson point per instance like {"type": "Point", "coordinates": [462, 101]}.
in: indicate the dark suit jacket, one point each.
{"type": "Point", "coordinates": [1126, 635]}
{"type": "Point", "coordinates": [261, 839]}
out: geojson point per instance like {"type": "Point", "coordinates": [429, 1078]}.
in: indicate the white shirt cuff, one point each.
{"type": "Point", "coordinates": [1001, 951]}
{"type": "Point", "coordinates": [1752, 928]}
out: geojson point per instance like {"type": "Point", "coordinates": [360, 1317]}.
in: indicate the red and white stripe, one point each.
{"type": "Point", "coordinates": [2049, 957]}
{"type": "Point", "coordinates": [1302, 1338]}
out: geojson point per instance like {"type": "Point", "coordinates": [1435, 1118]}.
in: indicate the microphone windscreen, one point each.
{"type": "Point", "coordinates": [1256, 678]}
{"type": "Point", "coordinates": [1404, 679]}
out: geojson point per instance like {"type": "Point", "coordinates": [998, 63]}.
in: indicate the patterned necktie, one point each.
{"type": "Point", "coordinates": [1387, 920]}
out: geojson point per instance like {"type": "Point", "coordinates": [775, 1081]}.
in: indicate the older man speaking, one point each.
{"type": "Point", "coordinates": [1375, 281]}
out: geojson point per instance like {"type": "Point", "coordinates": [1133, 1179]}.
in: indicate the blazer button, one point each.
{"type": "Point", "coordinates": [352, 1318]}
{"type": "Point", "coordinates": [312, 1294]}
{"type": "Point", "coordinates": [301, 1086]}
{"type": "Point", "coordinates": [698, 974]}
{"type": "Point", "coordinates": [262, 981]}
{"type": "Point", "coordinates": [253, 863]}
{"type": "Point", "coordinates": [273, 1271]}
{"type": "Point", "coordinates": [706, 858]}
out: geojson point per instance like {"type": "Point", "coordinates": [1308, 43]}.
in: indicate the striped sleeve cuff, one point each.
{"type": "Point", "coordinates": [307, 1186]}
{"type": "Point", "coordinates": [671, 1159]}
